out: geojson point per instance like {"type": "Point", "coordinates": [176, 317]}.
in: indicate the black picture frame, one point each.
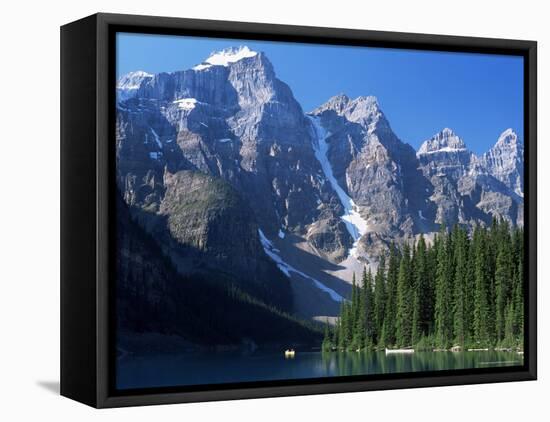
{"type": "Point", "coordinates": [87, 189]}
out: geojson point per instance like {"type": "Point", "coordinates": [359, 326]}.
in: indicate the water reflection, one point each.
{"type": "Point", "coordinates": [196, 369]}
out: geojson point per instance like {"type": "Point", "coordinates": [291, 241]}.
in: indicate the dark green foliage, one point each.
{"type": "Point", "coordinates": [391, 297]}
{"type": "Point", "coordinates": [461, 296]}
{"type": "Point", "coordinates": [444, 290]}
{"type": "Point", "coordinates": [206, 309]}
{"type": "Point", "coordinates": [460, 290]}
{"type": "Point", "coordinates": [403, 324]}
{"type": "Point", "coordinates": [379, 298]}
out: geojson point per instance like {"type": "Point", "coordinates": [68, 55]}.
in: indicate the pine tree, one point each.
{"type": "Point", "coordinates": [422, 313]}
{"type": "Point", "coordinates": [460, 328]}
{"type": "Point", "coordinates": [448, 292]}
{"type": "Point", "coordinates": [342, 335]}
{"type": "Point", "coordinates": [509, 336]}
{"type": "Point", "coordinates": [503, 278]}
{"type": "Point", "coordinates": [443, 296]}
{"type": "Point", "coordinates": [404, 305]}
{"type": "Point", "coordinates": [481, 276]}
{"type": "Point", "coordinates": [326, 345]}
{"type": "Point", "coordinates": [362, 322]}
{"type": "Point", "coordinates": [518, 290]}
{"type": "Point", "coordinates": [379, 298]}
{"type": "Point", "coordinates": [369, 306]}
{"type": "Point", "coordinates": [391, 296]}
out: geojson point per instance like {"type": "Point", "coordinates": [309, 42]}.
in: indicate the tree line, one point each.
{"type": "Point", "coordinates": [463, 290]}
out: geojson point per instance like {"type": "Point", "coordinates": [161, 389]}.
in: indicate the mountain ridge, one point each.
{"type": "Point", "coordinates": [231, 118]}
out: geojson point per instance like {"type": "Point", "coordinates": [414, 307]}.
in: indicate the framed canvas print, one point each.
{"type": "Point", "coordinates": [254, 210]}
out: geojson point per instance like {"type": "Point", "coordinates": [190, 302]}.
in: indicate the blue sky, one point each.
{"type": "Point", "coordinates": [476, 95]}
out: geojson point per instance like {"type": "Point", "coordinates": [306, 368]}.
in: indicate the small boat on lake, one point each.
{"type": "Point", "coordinates": [391, 351]}
{"type": "Point", "coordinates": [289, 353]}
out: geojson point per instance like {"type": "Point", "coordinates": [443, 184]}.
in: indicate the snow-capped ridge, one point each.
{"type": "Point", "coordinates": [444, 141]}
{"type": "Point", "coordinates": [509, 136]}
{"type": "Point", "coordinates": [226, 56]}
{"type": "Point", "coordinates": [132, 80]}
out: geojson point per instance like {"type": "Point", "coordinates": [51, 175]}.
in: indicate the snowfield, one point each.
{"type": "Point", "coordinates": [355, 224]}
{"type": "Point", "coordinates": [225, 57]}
{"type": "Point", "coordinates": [186, 103]}
{"type": "Point", "coordinates": [272, 252]}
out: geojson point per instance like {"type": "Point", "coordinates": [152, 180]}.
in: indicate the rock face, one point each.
{"type": "Point", "coordinates": [188, 311]}
{"type": "Point", "coordinates": [236, 122]}
{"type": "Point", "coordinates": [207, 157]}
{"type": "Point", "coordinates": [470, 189]}
{"type": "Point", "coordinates": [378, 171]}
{"type": "Point", "coordinates": [444, 161]}
{"type": "Point", "coordinates": [505, 161]}
{"type": "Point", "coordinates": [128, 84]}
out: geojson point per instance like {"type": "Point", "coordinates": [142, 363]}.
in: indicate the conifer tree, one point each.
{"type": "Point", "coordinates": [391, 296]}
{"type": "Point", "coordinates": [460, 328]}
{"type": "Point", "coordinates": [481, 276]}
{"type": "Point", "coordinates": [503, 278]}
{"type": "Point", "coordinates": [447, 291]}
{"type": "Point", "coordinates": [443, 296]}
{"type": "Point", "coordinates": [369, 306]}
{"type": "Point", "coordinates": [404, 305]}
{"type": "Point", "coordinates": [361, 323]}
{"type": "Point", "coordinates": [379, 297]}
{"type": "Point", "coordinates": [326, 345]}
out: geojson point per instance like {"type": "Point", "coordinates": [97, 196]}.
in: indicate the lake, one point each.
{"type": "Point", "coordinates": [214, 368]}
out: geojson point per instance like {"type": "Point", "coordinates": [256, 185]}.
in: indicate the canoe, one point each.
{"type": "Point", "coordinates": [289, 353]}
{"type": "Point", "coordinates": [390, 351]}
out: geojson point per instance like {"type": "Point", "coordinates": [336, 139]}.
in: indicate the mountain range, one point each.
{"type": "Point", "coordinates": [221, 166]}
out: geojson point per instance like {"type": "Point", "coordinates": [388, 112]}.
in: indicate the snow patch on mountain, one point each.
{"type": "Point", "coordinates": [272, 252]}
{"type": "Point", "coordinates": [226, 57]}
{"type": "Point", "coordinates": [186, 103]}
{"type": "Point", "coordinates": [444, 141]}
{"type": "Point", "coordinates": [156, 137]}
{"type": "Point", "coordinates": [355, 224]}
{"type": "Point", "coordinates": [444, 149]}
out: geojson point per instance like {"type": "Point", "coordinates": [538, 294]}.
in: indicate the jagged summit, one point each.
{"type": "Point", "coordinates": [127, 85]}
{"type": "Point", "coordinates": [226, 56]}
{"type": "Point", "coordinates": [505, 161]}
{"type": "Point", "coordinates": [444, 141]}
{"type": "Point", "coordinates": [344, 105]}
{"type": "Point", "coordinates": [509, 136]}
{"type": "Point", "coordinates": [132, 80]}
{"type": "Point", "coordinates": [364, 110]}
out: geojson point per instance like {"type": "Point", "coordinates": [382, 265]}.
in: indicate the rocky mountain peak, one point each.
{"type": "Point", "coordinates": [507, 138]}
{"type": "Point", "coordinates": [342, 105]}
{"type": "Point", "coordinates": [504, 161]}
{"type": "Point", "coordinates": [363, 109]}
{"type": "Point", "coordinates": [443, 141]}
{"type": "Point", "coordinates": [128, 84]}
{"type": "Point", "coordinates": [132, 80]}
